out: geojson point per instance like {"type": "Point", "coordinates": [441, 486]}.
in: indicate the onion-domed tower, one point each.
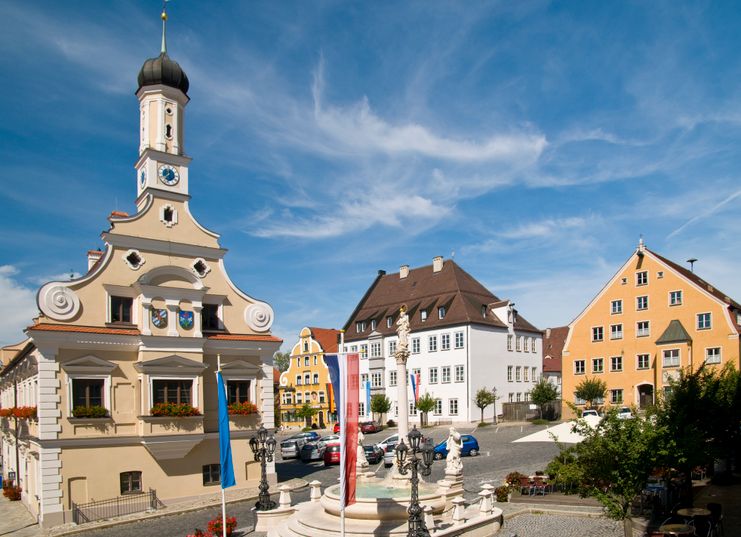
{"type": "Point", "coordinates": [163, 94]}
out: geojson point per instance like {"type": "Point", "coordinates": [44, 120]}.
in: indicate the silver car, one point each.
{"type": "Point", "coordinates": [291, 447]}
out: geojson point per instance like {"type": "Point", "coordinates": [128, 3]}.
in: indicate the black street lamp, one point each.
{"type": "Point", "coordinates": [417, 465]}
{"type": "Point", "coordinates": [263, 448]}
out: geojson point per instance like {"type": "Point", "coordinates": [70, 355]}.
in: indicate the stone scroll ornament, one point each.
{"type": "Point", "coordinates": [259, 316]}
{"type": "Point", "coordinates": [58, 302]}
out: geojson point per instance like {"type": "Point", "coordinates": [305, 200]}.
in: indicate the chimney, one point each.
{"type": "Point", "coordinates": [547, 332]}
{"type": "Point", "coordinates": [92, 257]}
{"type": "Point", "coordinates": [403, 271]}
{"type": "Point", "coordinates": [381, 272]}
{"type": "Point", "coordinates": [437, 263]}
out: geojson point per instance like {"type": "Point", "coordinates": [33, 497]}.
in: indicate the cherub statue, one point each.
{"type": "Point", "coordinates": [454, 446]}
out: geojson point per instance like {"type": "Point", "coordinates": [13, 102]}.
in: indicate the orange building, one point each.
{"type": "Point", "coordinates": [652, 319]}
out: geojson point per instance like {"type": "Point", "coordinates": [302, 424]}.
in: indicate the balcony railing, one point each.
{"type": "Point", "coordinates": [121, 505]}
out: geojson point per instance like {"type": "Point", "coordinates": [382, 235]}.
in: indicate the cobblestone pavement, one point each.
{"type": "Point", "coordinates": [549, 525]}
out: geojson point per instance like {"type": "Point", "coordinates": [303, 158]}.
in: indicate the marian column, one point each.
{"type": "Point", "coordinates": [402, 355]}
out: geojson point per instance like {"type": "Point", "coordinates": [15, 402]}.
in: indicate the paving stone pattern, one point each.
{"type": "Point", "coordinates": [542, 525]}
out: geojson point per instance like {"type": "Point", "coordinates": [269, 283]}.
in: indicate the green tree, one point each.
{"type": "Point", "coordinates": [613, 462]}
{"type": "Point", "coordinates": [282, 360]}
{"type": "Point", "coordinates": [590, 390]}
{"type": "Point", "coordinates": [380, 404]}
{"type": "Point", "coordinates": [425, 404]}
{"type": "Point", "coordinates": [484, 398]}
{"type": "Point", "coordinates": [307, 413]}
{"type": "Point", "coordinates": [543, 393]}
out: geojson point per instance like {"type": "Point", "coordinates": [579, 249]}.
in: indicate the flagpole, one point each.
{"type": "Point", "coordinates": [223, 496]}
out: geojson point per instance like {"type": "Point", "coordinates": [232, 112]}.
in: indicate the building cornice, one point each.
{"type": "Point", "coordinates": [159, 246]}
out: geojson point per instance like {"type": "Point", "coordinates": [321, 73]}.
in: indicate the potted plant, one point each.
{"type": "Point", "coordinates": [513, 479]}
{"type": "Point", "coordinates": [215, 527]}
{"type": "Point", "coordinates": [176, 410]}
{"type": "Point", "coordinates": [242, 409]}
{"type": "Point", "coordinates": [503, 493]}
{"type": "Point", "coordinates": [94, 411]}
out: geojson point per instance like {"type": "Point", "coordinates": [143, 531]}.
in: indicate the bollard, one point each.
{"type": "Point", "coordinates": [459, 505]}
{"type": "Point", "coordinates": [316, 491]}
{"type": "Point", "coordinates": [485, 505]}
{"type": "Point", "coordinates": [284, 501]}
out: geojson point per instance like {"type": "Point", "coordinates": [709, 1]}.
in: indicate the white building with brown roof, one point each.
{"type": "Point", "coordinates": [114, 393]}
{"type": "Point", "coordinates": [463, 338]}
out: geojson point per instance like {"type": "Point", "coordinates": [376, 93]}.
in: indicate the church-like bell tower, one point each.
{"type": "Point", "coordinates": [162, 167]}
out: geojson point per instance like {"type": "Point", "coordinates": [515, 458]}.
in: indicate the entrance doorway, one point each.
{"type": "Point", "coordinates": [645, 395]}
{"type": "Point", "coordinates": [321, 419]}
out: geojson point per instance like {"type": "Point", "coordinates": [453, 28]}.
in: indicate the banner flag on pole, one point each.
{"type": "Point", "coordinates": [345, 377]}
{"type": "Point", "coordinates": [414, 381]}
{"type": "Point", "coordinates": [367, 397]}
{"type": "Point", "coordinates": [225, 447]}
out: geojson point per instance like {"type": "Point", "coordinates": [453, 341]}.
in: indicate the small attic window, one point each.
{"type": "Point", "coordinates": [133, 259]}
{"type": "Point", "coordinates": [168, 110]}
{"type": "Point", "coordinates": [623, 281]}
{"type": "Point", "coordinates": [660, 274]}
{"type": "Point", "coordinates": [168, 215]}
{"type": "Point", "coordinates": [483, 310]}
{"type": "Point", "coordinates": [200, 267]}
{"type": "Point", "coordinates": [168, 131]}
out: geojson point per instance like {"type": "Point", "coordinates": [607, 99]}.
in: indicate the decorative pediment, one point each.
{"type": "Point", "coordinates": [170, 365]}
{"type": "Point", "coordinates": [89, 365]}
{"type": "Point", "coordinates": [240, 368]}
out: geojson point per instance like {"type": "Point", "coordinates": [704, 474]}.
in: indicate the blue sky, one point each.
{"type": "Point", "coordinates": [535, 140]}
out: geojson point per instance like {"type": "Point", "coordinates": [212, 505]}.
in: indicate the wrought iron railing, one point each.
{"type": "Point", "coordinates": [113, 507]}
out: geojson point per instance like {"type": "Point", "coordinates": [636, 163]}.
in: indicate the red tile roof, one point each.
{"type": "Point", "coordinates": [245, 337]}
{"type": "Point", "coordinates": [452, 287]}
{"type": "Point", "coordinates": [118, 214]}
{"type": "Point", "coordinates": [46, 327]}
{"type": "Point", "coordinates": [276, 376]}
{"type": "Point", "coordinates": [326, 337]}
{"type": "Point", "coordinates": [553, 344]}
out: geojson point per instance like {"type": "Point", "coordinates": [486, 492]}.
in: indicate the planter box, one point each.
{"type": "Point", "coordinates": [163, 425]}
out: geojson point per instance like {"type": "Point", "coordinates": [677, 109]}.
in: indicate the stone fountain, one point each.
{"type": "Point", "coordinates": [381, 504]}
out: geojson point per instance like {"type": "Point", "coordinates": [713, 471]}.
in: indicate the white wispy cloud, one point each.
{"type": "Point", "coordinates": [706, 213]}
{"type": "Point", "coordinates": [19, 305]}
{"type": "Point", "coordinates": [543, 228]}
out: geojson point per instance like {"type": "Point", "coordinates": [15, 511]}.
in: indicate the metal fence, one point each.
{"type": "Point", "coordinates": [526, 410]}
{"type": "Point", "coordinates": [121, 505]}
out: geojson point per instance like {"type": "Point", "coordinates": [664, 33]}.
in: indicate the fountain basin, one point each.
{"type": "Point", "coordinates": [376, 500]}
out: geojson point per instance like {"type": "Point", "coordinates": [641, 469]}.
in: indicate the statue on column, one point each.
{"type": "Point", "coordinates": [454, 446]}
{"type": "Point", "coordinates": [402, 329]}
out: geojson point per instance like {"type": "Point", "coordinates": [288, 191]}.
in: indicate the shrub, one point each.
{"type": "Point", "coordinates": [215, 528]}
{"type": "Point", "coordinates": [6, 412]}
{"type": "Point", "coordinates": [12, 493]}
{"type": "Point", "coordinates": [242, 409]}
{"type": "Point", "coordinates": [94, 411]}
{"type": "Point", "coordinates": [513, 478]}
{"type": "Point", "coordinates": [178, 410]}
{"type": "Point", "coordinates": [20, 412]}
{"type": "Point", "coordinates": [502, 493]}
{"type": "Point", "coordinates": [391, 423]}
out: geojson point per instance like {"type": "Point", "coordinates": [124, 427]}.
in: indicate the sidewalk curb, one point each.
{"type": "Point", "coordinates": [554, 510]}
{"type": "Point", "coordinates": [300, 484]}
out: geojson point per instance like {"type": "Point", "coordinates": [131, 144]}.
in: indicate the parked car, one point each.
{"type": "Point", "coordinates": [624, 413]}
{"type": "Point", "coordinates": [309, 436]}
{"type": "Point", "coordinates": [589, 412]}
{"type": "Point", "coordinates": [389, 458]}
{"type": "Point", "coordinates": [336, 428]}
{"type": "Point", "coordinates": [312, 451]}
{"type": "Point", "coordinates": [373, 454]}
{"type": "Point", "coordinates": [332, 454]}
{"type": "Point", "coordinates": [470, 447]}
{"type": "Point", "coordinates": [369, 427]}
{"type": "Point", "coordinates": [389, 443]}
{"type": "Point", "coordinates": [291, 447]}
{"type": "Point", "coordinates": [330, 439]}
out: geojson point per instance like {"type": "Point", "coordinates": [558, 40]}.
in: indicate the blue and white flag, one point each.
{"type": "Point", "coordinates": [367, 397]}
{"type": "Point", "coordinates": [225, 447]}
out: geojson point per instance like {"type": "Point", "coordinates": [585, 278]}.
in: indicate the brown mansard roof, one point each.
{"type": "Point", "coordinates": [452, 287]}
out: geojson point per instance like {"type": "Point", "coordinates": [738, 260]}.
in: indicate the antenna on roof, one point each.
{"type": "Point", "coordinates": [692, 262]}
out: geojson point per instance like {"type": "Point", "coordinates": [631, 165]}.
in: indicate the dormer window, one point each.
{"type": "Point", "coordinates": [441, 312]}
{"type": "Point", "coordinates": [200, 267]}
{"type": "Point", "coordinates": [483, 310]}
{"type": "Point", "coordinates": [133, 259]}
{"type": "Point", "coordinates": [423, 315]}
{"type": "Point", "coordinates": [373, 324]}
{"type": "Point", "coordinates": [389, 321]}
{"type": "Point", "coordinates": [360, 326]}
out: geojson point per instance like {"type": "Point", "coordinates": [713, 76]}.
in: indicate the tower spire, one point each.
{"type": "Point", "coordinates": [164, 26]}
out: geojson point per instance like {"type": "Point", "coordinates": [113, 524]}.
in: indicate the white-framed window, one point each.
{"type": "Point", "coordinates": [316, 360]}
{"type": "Point", "coordinates": [616, 307]}
{"type": "Point", "coordinates": [518, 374]}
{"type": "Point", "coordinates": [533, 346]}
{"type": "Point", "coordinates": [389, 321]}
{"type": "Point", "coordinates": [121, 309]}
{"type": "Point", "coordinates": [642, 302]}
{"type": "Point", "coordinates": [392, 347]}
{"type": "Point", "coordinates": [360, 326]}
{"type": "Point", "coordinates": [642, 277]}
{"type": "Point", "coordinates": [671, 358]}
{"type": "Point", "coordinates": [287, 398]}
{"type": "Point", "coordinates": [361, 408]}
{"type": "Point", "coordinates": [509, 373]}
{"type": "Point", "coordinates": [460, 374]}
{"type": "Point", "coordinates": [392, 377]}
{"type": "Point", "coordinates": [525, 375]}
{"type": "Point", "coordinates": [441, 312]}
{"type": "Point", "coordinates": [298, 361]}
{"type": "Point", "coordinates": [315, 379]}
{"type": "Point", "coordinates": [432, 343]}
{"type": "Point", "coordinates": [88, 391]}
{"type": "Point", "coordinates": [509, 342]}
{"type": "Point", "coordinates": [459, 340]}
{"type": "Point", "coordinates": [519, 396]}
{"type": "Point", "coordinates": [511, 397]}
{"type": "Point", "coordinates": [453, 407]}
{"type": "Point", "coordinates": [598, 333]}
{"type": "Point", "coordinates": [307, 379]}
{"type": "Point", "coordinates": [616, 331]}
{"type": "Point", "coordinates": [445, 342]}
{"type": "Point", "coordinates": [322, 397]}
{"type": "Point", "coordinates": [703, 321]}
{"type": "Point", "coordinates": [299, 398]}
{"type": "Point", "coordinates": [377, 379]}
{"type": "Point", "coordinates": [598, 365]}
{"type": "Point", "coordinates": [616, 363]}
{"type": "Point", "coordinates": [363, 380]}
{"type": "Point", "coordinates": [526, 346]}
{"type": "Point", "coordinates": [364, 351]}
{"type": "Point", "coordinates": [306, 361]}
{"type": "Point", "coordinates": [446, 373]}
{"type": "Point", "coordinates": [675, 298]}
{"type": "Point", "coordinates": [423, 315]}
{"type": "Point", "coordinates": [412, 408]}
{"type": "Point", "coordinates": [579, 401]}
{"type": "Point", "coordinates": [438, 410]}
{"type": "Point", "coordinates": [712, 355]}
{"type": "Point", "coordinates": [526, 396]}
{"type": "Point", "coordinates": [415, 345]}
{"type": "Point", "coordinates": [643, 328]}
{"type": "Point", "coordinates": [579, 367]}
{"type": "Point", "coordinates": [534, 374]}
{"type": "Point", "coordinates": [353, 348]}
{"type": "Point", "coordinates": [643, 361]}
{"type": "Point", "coordinates": [172, 390]}
{"type": "Point", "coordinates": [373, 324]}
{"type": "Point", "coordinates": [616, 396]}
{"type": "Point", "coordinates": [375, 349]}
{"type": "Point", "coordinates": [433, 375]}
{"type": "Point", "coordinates": [299, 380]}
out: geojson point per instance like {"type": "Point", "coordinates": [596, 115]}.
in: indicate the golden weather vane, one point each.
{"type": "Point", "coordinates": [164, 26]}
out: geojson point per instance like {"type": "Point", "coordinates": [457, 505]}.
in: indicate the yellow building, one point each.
{"type": "Point", "coordinates": [307, 379]}
{"type": "Point", "coordinates": [114, 391]}
{"type": "Point", "coordinates": [652, 319]}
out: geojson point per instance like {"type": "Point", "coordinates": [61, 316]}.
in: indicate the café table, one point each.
{"type": "Point", "coordinates": [677, 530]}
{"type": "Point", "coordinates": [692, 512]}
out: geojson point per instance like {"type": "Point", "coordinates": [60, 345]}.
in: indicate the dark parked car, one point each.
{"type": "Point", "coordinates": [313, 451]}
{"type": "Point", "coordinates": [470, 447]}
{"type": "Point", "coordinates": [373, 454]}
{"type": "Point", "coordinates": [336, 428]}
{"type": "Point", "coordinates": [369, 427]}
{"type": "Point", "coordinates": [332, 454]}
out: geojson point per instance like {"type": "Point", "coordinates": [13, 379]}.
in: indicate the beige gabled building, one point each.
{"type": "Point", "coordinates": [143, 328]}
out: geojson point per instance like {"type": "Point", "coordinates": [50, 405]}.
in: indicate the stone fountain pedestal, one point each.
{"type": "Point", "coordinates": [451, 487]}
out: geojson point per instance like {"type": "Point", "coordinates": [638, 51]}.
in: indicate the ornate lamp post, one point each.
{"type": "Point", "coordinates": [263, 448]}
{"type": "Point", "coordinates": [407, 460]}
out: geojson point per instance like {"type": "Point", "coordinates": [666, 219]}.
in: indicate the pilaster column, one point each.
{"type": "Point", "coordinates": [147, 318]}
{"type": "Point", "coordinates": [197, 323]}
{"type": "Point", "coordinates": [172, 313]}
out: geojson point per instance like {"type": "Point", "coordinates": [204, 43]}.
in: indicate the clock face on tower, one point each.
{"type": "Point", "coordinates": [169, 175]}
